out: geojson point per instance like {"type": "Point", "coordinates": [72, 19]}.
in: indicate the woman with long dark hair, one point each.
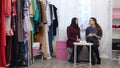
{"type": "Point", "coordinates": [73, 34]}
{"type": "Point", "coordinates": [93, 35]}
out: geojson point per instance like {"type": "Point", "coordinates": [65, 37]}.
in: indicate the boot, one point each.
{"type": "Point", "coordinates": [99, 61]}
{"type": "Point", "coordinates": [77, 61]}
{"type": "Point", "coordinates": [71, 60]}
{"type": "Point", "coordinates": [93, 62]}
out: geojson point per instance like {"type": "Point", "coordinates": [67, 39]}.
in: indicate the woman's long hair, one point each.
{"type": "Point", "coordinates": [73, 23]}
{"type": "Point", "coordinates": [97, 26]}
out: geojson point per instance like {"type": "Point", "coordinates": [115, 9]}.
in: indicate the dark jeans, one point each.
{"type": "Point", "coordinates": [94, 53]}
{"type": "Point", "coordinates": [79, 48]}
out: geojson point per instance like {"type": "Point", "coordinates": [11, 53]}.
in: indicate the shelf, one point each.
{"type": "Point", "coordinates": [115, 29]}
{"type": "Point", "coordinates": [115, 59]}
{"type": "Point", "coordinates": [115, 37]}
{"type": "Point", "coordinates": [116, 9]}
{"type": "Point", "coordinates": [37, 54]}
{"type": "Point", "coordinates": [116, 16]}
{"type": "Point", "coordinates": [115, 50]}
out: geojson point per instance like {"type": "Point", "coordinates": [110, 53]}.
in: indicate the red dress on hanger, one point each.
{"type": "Point", "coordinates": [8, 7]}
{"type": "Point", "coordinates": [2, 34]}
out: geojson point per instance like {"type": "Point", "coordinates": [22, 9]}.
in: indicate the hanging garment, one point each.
{"type": "Point", "coordinates": [2, 56]}
{"type": "Point", "coordinates": [53, 48]}
{"type": "Point", "coordinates": [31, 19]}
{"type": "Point", "coordinates": [15, 45]}
{"type": "Point", "coordinates": [14, 26]}
{"type": "Point", "coordinates": [13, 16]}
{"type": "Point", "coordinates": [20, 45]}
{"type": "Point", "coordinates": [48, 14]}
{"type": "Point", "coordinates": [22, 53]}
{"type": "Point", "coordinates": [13, 1]}
{"type": "Point", "coordinates": [7, 7]}
{"type": "Point", "coordinates": [29, 45]}
{"type": "Point", "coordinates": [32, 9]}
{"type": "Point", "coordinates": [9, 31]}
{"type": "Point", "coordinates": [36, 15]}
{"type": "Point", "coordinates": [55, 21]}
{"type": "Point", "coordinates": [2, 25]}
{"type": "Point", "coordinates": [14, 7]}
{"type": "Point", "coordinates": [42, 38]}
{"type": "Point", "coordinates": [27, 28]}
{"type": "Point", "coordinates": [37, 37]}
{"type": "Point", "coordinates": [44, 44]}
{"type": "Point", "coordinates": [39, 23]}
{"type": "Point", "coordinates": [53, 15]}
{"type": "Point", "coordinates": [40, 13]}
{"type": "Point", "coordinates": [2, 34]}
{"type": "Point", "coordinates": [8, 49]}
{"type": "Point", "coordinates": [8, 24]}
{"type": "Point", "coordinates": [43, 7]}
{"type": "Point", "coordinates": [36, 18]}
{"type": "Point", "coordinates": [27, 23]}
{"type": "Point", "coordinates": [47, 41]}
{"type": "Point", "coordinates": [50, 33]}
{"type": "Point", "coordinates": [20, 20]}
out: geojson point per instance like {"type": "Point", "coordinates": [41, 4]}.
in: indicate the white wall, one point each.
{"type": "Point", "coordinates": [100, 9]}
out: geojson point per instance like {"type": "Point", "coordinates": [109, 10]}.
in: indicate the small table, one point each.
{"type": "Point", "coordinates": [82, 44]}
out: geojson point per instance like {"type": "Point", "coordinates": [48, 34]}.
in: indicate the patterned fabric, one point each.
{"type": "Point", "coordinates": [92, 39]}
{"type": "Point", "coordinates": [72, 34]}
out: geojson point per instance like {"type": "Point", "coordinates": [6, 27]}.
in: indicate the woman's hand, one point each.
{"type": "Point", "coordinates": [78, 40]}
{"type": "Point", "coordinates": [96, 36]}
{"type": "Point", "coordinates": [90, 35]}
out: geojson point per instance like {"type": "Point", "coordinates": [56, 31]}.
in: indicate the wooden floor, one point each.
{"type": "Point", "coordinates": [53, 63]}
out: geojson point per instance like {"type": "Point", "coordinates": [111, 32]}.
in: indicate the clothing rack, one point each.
{"type": "Point", "coordinates": [28, 21]}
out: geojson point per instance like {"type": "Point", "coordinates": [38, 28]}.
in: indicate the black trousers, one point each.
{"type": "Point", "coordinates": [78, 50]}
{"type": "Point", "coordinates": [94, 53]}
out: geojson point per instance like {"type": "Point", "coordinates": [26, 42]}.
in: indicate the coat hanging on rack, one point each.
{"type": "Point", "coordinates": [2, 34]}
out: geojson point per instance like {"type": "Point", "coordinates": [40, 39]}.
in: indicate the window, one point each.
{"type": "Point", "coordinates": [84, 13]}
